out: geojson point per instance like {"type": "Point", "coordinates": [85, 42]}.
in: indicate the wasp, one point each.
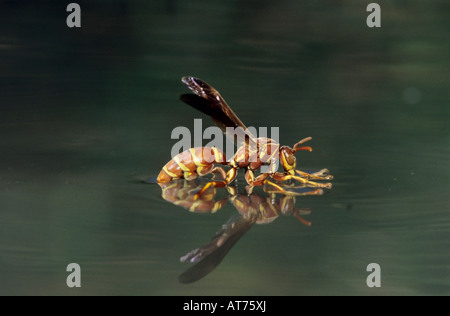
{"type": "Point", "coordinates": [254, 153]}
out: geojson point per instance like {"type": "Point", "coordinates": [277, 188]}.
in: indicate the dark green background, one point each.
{"type": "Point", "coordinates": [85, 111]}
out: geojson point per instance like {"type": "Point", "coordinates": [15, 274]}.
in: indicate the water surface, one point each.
{"type": "Point", "coordinates": [85, 112]}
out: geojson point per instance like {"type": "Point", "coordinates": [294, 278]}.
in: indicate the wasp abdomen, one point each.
{"type": "Point", "coordinates": [191, 163]}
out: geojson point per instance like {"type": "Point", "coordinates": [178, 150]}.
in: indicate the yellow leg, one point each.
{"type": "Point", "coordinates": [283, 177]}
{"type": "Point", "coordinates": [261, 180]}
{"type": "Point", "coordinates": [230, 176]}
{"type": "Point", "coordinates": [279, 189]}
{"type": "Point", "coordinates": [319, 175]}
{"type": "Point", "coordinates": [220, 171]}
{"type": "Point", "coordinates": [215, 184]}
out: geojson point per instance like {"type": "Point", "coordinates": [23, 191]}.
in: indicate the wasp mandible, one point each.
{"type": "Point", "coordinates": [200, 161]}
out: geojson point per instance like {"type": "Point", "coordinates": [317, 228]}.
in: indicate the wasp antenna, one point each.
{"type": "Point", "coordinates": [304, 140]}
{"type": "Point", "coordinates": [303, 148]}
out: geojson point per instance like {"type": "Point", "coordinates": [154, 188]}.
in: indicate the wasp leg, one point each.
{"type": "Point", "coordinates": [230, 176]}
{"type": "Point", "coordinates": [291, 191]}
{"type": "Point", "coordinates": [283, 177]}
{"type": "Point", "coordinates": [301, 219]}
{"type": "Point", "coordinates": [303, 211]}
{"type": "Point", "coordinates": [319, 175]}
{"type": "Point", "coordinates": [232, 191]}
{"type": "Point", "coordinates": [190, 175]}
{"type": "Point", "coordinates": [215, 184]}
{"type": "Point", "coordinates": [220, 171]}
{"type": "Point", "coordinates": [255, 181]}
{"type": "Point", "coordinates": [261, 180]}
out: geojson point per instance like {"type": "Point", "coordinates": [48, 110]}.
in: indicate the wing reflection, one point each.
{"type": "Point", "coordinates": [253, 207]}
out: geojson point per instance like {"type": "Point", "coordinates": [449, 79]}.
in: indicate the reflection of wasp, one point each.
{"type": "Point", "coordinates": [255, 153]}
{"type": "Point", "coordinates": [252, 208]}
{"type": "Point", "coordinates": [181, 192]}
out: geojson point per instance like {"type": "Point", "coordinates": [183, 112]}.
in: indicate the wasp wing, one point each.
{"type": "Point", "coordinates": [208, 100]}
{"type": "Point", "coordinates": [209, 256]}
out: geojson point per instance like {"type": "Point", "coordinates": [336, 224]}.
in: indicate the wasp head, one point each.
{"type": "Point", "coordinates": [287, 154]}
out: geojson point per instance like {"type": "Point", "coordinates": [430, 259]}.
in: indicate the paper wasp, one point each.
{"type": "Point", "coordinates": [201, 161]}
{"type": "Point", "coordinates": [255, 208]}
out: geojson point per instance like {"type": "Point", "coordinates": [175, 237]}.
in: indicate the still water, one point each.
{"type": "Point", "coordinates": [86, 113]}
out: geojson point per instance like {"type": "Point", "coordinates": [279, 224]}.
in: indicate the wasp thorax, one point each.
{"type": "Point", "coordinates": [267, 149]}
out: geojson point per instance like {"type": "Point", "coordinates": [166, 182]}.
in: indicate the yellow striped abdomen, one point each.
{"type": "Point", "coordinates": [191, 163]}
